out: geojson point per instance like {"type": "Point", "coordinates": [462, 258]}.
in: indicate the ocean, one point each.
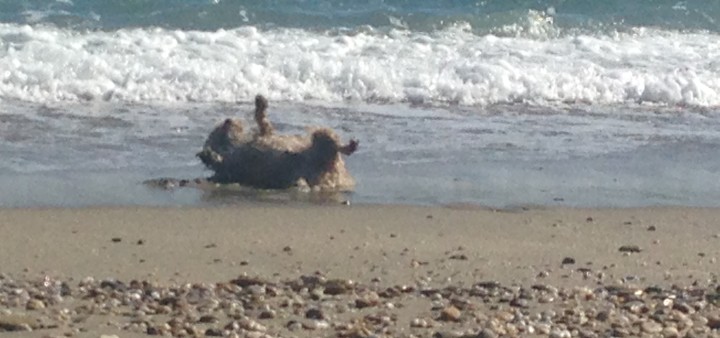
{"type": "Point", "coordinates": [493, 103]}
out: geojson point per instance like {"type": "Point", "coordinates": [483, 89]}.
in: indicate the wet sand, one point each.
{"type": "Point", "coordinates": [358, 270]}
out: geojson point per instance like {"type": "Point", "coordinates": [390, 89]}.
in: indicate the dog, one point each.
{"type": "Point", "coordinates": [266, 160]}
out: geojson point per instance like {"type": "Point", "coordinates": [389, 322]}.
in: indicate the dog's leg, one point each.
{"type": "Point", "coordinates": [349, 148]}
{"type": "Point", "coordinates": [265, 128]}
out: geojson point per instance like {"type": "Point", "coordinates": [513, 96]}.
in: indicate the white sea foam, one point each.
{"type": "Point", "coordinates": [44, 64]}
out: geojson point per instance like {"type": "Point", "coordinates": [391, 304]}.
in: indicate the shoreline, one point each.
{"type": "Point", "coordinates": [455, 271]}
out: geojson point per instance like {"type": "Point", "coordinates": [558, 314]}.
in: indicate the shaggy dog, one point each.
{"type": "Point", "coordinates": [269, 161]}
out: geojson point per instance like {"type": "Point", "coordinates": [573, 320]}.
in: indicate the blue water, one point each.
{"type": "Point", "coordinates": [581, 103]}
{"type": "Point", "coordinates": [484, 16]}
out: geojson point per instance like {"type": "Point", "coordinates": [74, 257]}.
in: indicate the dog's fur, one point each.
{"type": "Point", "coordinates": [270, 161]}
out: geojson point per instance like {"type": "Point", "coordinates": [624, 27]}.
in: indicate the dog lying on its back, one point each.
{"type": "Point", "coordinates": [269, 161]}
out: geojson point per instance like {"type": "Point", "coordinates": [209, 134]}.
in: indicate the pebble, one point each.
{"type": "Point", "coordinates": [670, 332]}
{"type": "Point", "coordinates": [568, 260]}
{"type": "Point", "coordinates": [17, 322]}
{"type": "Point", "coordinates": [630, 248]}
{"type": "Point", "coordinates": [267, 314]}
{"type": "Point", "coordinates": [214, 332]}
{"type": "Point", "coordinates": [368, 299]}
{"type": "Point", "coordinates": [316, 325]}
{"type": "Point", "coordinates": [419, 322]}
{"type": "Point", "coordinates": [35, 304]}
{"type": "Point", "coordinates": [450, 313]}
{"type": "Point", "coordinates": [651, 327]}
{"type": "Point", "coordinates": [343, 308]}
{"type": "Point", "coordinates": [560, 334]}
{"type": "Point", "coordinates": [486, 333]}
{"type": "Point", "coordinates": [314, 314]}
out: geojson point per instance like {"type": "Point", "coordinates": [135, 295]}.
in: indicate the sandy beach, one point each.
{"type": "Point", "coordinates": [358, 271]}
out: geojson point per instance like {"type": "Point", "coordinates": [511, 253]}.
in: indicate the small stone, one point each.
{"type": "Point", "coordinates": [336, 287]}
{"type": "Point", "coordinates": [316, 325]}
{"type": "Point", "coordinates": [369, 299]}
{"type": "Point", "coordinates": [670, 332]}
{"type": "Point", "coordinates": [519, 302]}
{"type": "Point", "coordinates": [651, 327]}
{"type": "Point", "coordinates": [268, 314]}
{"type": "Point", "coordinates": [213, 332]}
{"type": "Point", "coordinates": [13, 322]}
{"type": "Point", "coordinates": [34, 304]}
{"type": "Point", "coordinates": [419, 322]}
{"type": "Point", "coordinates": [486, 333]}
{"type": "Point", "coordinates": [251, 325]}
{"type": "Point", "coordinates": [568, 260]}
{"type": "Point", "coordinates": [287, 249]}
{"type": "Point", "coordinates": [293, 325]}
{"type": "Point", "coordinates": [713, 322]}
{"type": "Point", "coordinates": [560, 334]}
{"type": "Point", "coordinates": [651, 228]}
{"type": "Point", "coordinates": [314, 314]}
{"type": "Point", "coordinates": [208, 319]}
{"type": "Point", "coordinates": [448, 334]}
{"type": "Point", "coordinates": [450, 314]}
{"type": "Point", "coordinates": [684, 308]}
{"type": "Point", "coordinates": [543, 328]}
{"type": "Point", "coordinates": [116, 239]}
{"type": "Point", "coordinates": [630, 248]}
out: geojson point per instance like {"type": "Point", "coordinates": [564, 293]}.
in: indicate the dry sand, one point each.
{"type": "Point", "coordinates": [439, 254]}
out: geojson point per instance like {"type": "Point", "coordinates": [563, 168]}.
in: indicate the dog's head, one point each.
{"type": "Point", "coordinates": [324, 148]}
{"type": "Point", "coordinates": [227, 135]}
{"type": "Point", "coordinates": [231, 127]}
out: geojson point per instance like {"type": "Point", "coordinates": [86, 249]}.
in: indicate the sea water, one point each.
{"type": "Point", "coordinates": [494, 102]}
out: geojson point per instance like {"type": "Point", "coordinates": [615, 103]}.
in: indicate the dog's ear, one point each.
{"type": "Point", "coordinates": [233, 125]}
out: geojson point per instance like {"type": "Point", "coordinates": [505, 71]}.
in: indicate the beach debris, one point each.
{"type": "Point", "coordinates": [267, 160]}
{"type": "Point", "coordinates": [630, 248]}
